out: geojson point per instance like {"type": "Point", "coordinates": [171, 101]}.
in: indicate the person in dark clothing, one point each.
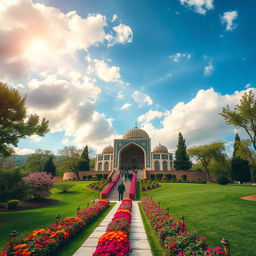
{"type": "Point", "coordinates": [121, 189]}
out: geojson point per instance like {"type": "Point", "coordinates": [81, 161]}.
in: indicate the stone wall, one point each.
{"type": "Point", "coordinates": [191, 175]}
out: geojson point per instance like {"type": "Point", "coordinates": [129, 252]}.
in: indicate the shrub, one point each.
{"type": "Point", "coordinates": [85, 177]}
{"type": "Point", "coordinates": [89, 177]}
{"type": "Point", "coordinates": [64, 186]}
{"type": "Point", "coordinates": [12, 185]}
{"type": "Point", "coordinates": [184, 177]}
{"type": "Point", "coordinates": [168, 176]}
{"type": "Point", "coordinates": [174, 177]}
{"type": "Point", "coordinates": [152, 176]}
{"type": "Point", "coordinates": [159, 176]}
{"type": "Point", "coordinates": [105, 176]}
{"type": "Point", "coordinates": [40, 184]}
{"type": "Point", "coordinates": [99, 176]}
{"type": "Point", "coordinates": [164, 179]}
{"type": "Point", "coordinates": [12, 204]}
{"type": "Point", "coordinates": [223, 179]}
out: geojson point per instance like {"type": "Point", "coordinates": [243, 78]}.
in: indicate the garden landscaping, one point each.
{"type": "Point", "coordinates": [27, 221]}
{"type": "Point", "coordinates": [214, 211]}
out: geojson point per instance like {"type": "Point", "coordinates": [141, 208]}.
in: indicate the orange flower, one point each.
{"type": "Point", "coordinates": [19, 246]}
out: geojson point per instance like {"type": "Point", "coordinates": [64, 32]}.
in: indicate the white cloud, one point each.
{"type": "Point", "coordinates": [120, 95]}
{"type": "Point", "coordinates": [65, 141]}
{"type": "Point", "coordinates": [228, 18]}
{"type": "Point", "coordinates": [104, 72]}
{"type": "Point", "coordinates": [208, 70]}
{"type": "Point", "coordinates": [23, 151]}
{"type": "Point", "coordinates": [198, 124]}
{"type": "Point", "coordinates": [36, 138]}
{"type": "Point", "coordinates": [125, 106]}
{"type": "Point", "coordinates": [142, 98]}
{"type": "Point", "coordinates": [123, 35]}
{"type": "Point", "coordinates": [200, 6]}
{"type": "Point", "coordinates": [149, 116]}
{"type": "Point", "coordinates": [178, 56]}
{"type": "Point", "coordinates": [114, 18]}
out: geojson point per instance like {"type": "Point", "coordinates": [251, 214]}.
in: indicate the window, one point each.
{"type": "Point", "coordinates": [106, 157]}
{"type": "Point", "coordinates": [100, 158]}
{"type": "Point", "coordinates": [164, 156]}
{"type": "Point", "coordinates": [100, 166]}
{"type": "Point", "coordinates": [157, 166]}
{"type": "Point", "coordinates": [156, 156]}
{"type": "Point", "coordinates": [165, 166]}
{"type": "Point", "coordinates": [106, 166]}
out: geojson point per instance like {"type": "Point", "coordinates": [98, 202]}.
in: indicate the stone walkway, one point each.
{"type": "Point", "coordinates": [138, 237]}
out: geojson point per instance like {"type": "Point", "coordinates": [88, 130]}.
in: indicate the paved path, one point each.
{"type": "Point", "coordinates": [138, 237]}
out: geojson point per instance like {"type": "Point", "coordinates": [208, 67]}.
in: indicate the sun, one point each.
{"type": "Point", "coordinates": [36, 49]}
{"type": "Point", "coordinates": [37, 46]}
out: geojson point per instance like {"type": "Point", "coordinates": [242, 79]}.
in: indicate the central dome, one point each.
{"type": "Point", "coordinates": [135, 133]}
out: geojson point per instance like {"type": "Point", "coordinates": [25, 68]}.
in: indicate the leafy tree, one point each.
{"type": "Point", "coordinates": [50, 167]}
{"type": "Point", "coordinates": [243, 115]}
{"type": "Point", "coordinates": [40, 185]}
{"type": "Point", "coordinates": [12, 185]}
{"type": "Point", "coordinates": [7, 163]}
{"type": "Point", "coordinates": [182, 161]}
{"type": "Point", "coordinates": [69, 159]}
{"type": "Point", "coordinates": [240, 170]}
{"type": "Point", "coordinates": [84, 164]}
{"type": "Point", "coordinates": [207, 153]}
{"type": "Point", "coordinates": [14, 122]}
{"type": "Point", "coordinates": [36, 162]}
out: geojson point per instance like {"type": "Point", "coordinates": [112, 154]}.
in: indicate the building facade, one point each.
{"type": "Point", "coordinates": [133, 151]}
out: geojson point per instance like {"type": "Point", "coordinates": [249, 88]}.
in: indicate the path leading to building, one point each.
{"type": "Point", "coordinates": [138, 236]}
{"type": "Point", "coordinates": [113, 195]}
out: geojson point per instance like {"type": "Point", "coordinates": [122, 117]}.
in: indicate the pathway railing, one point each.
{"type": "Point", "coordinates": [106, 192]}
{"type": "Point", "coordinates": [132, 193]}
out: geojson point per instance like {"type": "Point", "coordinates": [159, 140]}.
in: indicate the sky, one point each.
{"type": "Point", "coordinates": [94, 68]}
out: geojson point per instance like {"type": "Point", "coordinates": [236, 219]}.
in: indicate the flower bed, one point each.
{"type": "Point", "coordinates": [109, 187]}
{"type": "Point", "coordinates": [133, 187]}
{"type": "Point", "coordinates": [116, 239]}
{"type": "Point", "coordinates": [46, 241]}
{"type": "Point", "coordinates": [173, 236]}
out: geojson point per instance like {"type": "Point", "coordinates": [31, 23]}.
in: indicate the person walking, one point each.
{"type": "Point", "coordinates": [121, 189]}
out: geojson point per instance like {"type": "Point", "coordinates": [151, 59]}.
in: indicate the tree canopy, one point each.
{"type": "Point", "coordinates": [206, 153]}
{"type": "Point", "coordinates": [182, 161]}
{"type": "Point", "coordinates": [14, 122]}
{"type": "Point", "coordinates": [84, 164]}
{"type": "Point", "coordinates": [50, 167]}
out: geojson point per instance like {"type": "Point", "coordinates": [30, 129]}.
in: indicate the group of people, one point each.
{"type": "Point", "coordinates": [125, 175]}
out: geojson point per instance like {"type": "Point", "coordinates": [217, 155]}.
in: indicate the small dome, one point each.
{"type": "Point", "coordinates": [108, 150]}
{"type": "Point", "coordinates": [160, 149]}
{"type": "Point", "coordinates": [135, 133]}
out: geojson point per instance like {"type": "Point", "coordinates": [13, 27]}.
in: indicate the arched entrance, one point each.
{"type": "Point", "coordinates": [131, 157]}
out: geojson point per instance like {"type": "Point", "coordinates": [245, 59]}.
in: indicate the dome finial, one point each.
{"type": "Point", "coordinates": [136, 124]}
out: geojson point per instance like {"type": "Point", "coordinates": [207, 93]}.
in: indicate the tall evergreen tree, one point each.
{"type": "Point", "coordinates": [50, 167]}
{"type": "Point", "coordinates": [182, 161]}
{"type": "Point", "coordinates": [84, 164]}
{"type": "Point", "coordinates": [240, 170]}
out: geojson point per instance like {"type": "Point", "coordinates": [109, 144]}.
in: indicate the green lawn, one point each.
{"type": "Point", "coordinates": [26, 221]}
{"type": "Point", "coordinates": [215, 211]}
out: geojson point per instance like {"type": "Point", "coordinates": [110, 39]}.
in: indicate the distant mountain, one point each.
{"type": "Point", "coordinates": [20, 159]}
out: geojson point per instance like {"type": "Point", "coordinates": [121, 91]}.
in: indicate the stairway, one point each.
{"type": "Point", "coordinates": [113, 195]}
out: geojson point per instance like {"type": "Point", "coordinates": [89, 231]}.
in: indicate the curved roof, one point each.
{"type": "Point", "coordinates": [160, 149]}
{"type": "Point", "coordinates": [135, 133]}
{"type": "Point", "coordinates": [108, 150]}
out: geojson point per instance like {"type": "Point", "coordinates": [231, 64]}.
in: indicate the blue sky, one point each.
{"type": "Point", "coordinates": [170, 65]}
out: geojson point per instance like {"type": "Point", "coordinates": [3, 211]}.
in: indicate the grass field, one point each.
{"type": "Point", "coordinates": [26, 221]}
{"type": "Point", "coordinates": [215, 211]}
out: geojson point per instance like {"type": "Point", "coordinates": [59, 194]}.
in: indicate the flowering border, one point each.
{"type": "Point", "coordinates": [116, 239]}
{"type": "Point", "coordinates": [173, 236]}
{"type": "Point", "coordinates": [109, 187]}
{"type": "Point", "coordinates": [46, 242]}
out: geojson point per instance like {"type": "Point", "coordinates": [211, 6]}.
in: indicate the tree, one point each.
{"type": "Point", "coordinates": [12, 185]}
{"type": "Point", "coordinates": [182, 161]}
{"type": "Point", "coordinates": [36, 162]}
{"type": "Point", "coordinates": [14, 122]}
{"type": "Point", "coordinates": [206, 153]}
{"type": "Point", "coordinates": [69, 159]}
{"type": "Point", "coordinates": [50, 167]}
{"type": "Point", "coordinates": [240, 170]}
{"type": "Point", "coordinates": [84, 164]}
